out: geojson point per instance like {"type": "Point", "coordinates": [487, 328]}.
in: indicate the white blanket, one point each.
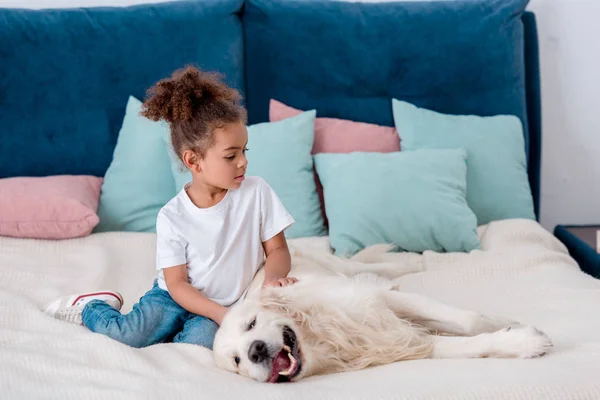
{"type": "Point", "coordinates": [523, 273]}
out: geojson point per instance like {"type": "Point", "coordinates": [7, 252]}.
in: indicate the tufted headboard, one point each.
{"type": "Point", "coordinates": [66, 74]}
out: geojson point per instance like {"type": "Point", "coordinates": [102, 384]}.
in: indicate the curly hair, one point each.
{"type": "Point", "coordinates": [194, 103]}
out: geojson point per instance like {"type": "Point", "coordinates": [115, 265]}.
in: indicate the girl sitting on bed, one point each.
{"type": "Point", "coordinates": [212, 236]}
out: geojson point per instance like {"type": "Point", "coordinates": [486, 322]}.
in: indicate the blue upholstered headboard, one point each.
{"type": "Point", "coordinates": [534, 107]}
{"type": "Point", "coordinates": [65, 75]}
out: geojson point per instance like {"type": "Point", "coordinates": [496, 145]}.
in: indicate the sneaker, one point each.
{"type": "Point", "coordinates": [69, 308]}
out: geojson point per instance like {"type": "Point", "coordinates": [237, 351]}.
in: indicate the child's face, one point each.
{"type": "Point", "coordinates": [224, 163]}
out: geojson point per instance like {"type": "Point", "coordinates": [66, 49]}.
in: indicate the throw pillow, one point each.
{"type": "Point", "coordinates": [497, 182]}
{"type": "Point", "coordinates": [414, 200]}
{"type": "Point", "coordinates": [138, 181]}
{"type": "Point", "coordinates": [334, 135]}
{"type": "Point", "coordinates": [52, 207]}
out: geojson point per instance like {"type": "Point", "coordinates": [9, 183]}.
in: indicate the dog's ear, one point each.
{"type": "Point", "coordinates": [272, 299]}
{"type": "Point", "coordinates": [276, 301]}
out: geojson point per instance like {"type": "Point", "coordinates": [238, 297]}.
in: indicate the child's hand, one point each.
{"type": "Point", "coordinates": [279, 282]}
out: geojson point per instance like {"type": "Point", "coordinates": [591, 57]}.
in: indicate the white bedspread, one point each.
{"type": "Point", "coordinates": [523, 273]}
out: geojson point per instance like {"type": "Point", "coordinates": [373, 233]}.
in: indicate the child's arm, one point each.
{"type": "Point", "coordinates": [278, 262]}
{"type": "Point", "coordinates": [190, 298]}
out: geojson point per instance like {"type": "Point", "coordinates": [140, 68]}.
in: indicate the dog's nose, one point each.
{"type": "Point", "coordinates": [258, 351]}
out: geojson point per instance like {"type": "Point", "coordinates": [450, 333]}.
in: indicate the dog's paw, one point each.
{"type": "Point", "coordinates": [484, 324]}
{"type": "Point", "coordinates": [521, 342]}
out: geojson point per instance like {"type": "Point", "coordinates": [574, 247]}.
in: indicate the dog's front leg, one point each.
{"type": "Point", "coordinates": [441, 317]}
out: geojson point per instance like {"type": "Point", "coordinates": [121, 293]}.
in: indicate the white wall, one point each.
{"type": "Point", "coordinates": [570, 100]}
{"type": "Point", "coordinates": [570, 67]}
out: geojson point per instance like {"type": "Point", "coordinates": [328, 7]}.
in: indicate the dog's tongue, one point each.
{"type": "Point", "coordinates": [281, 363]}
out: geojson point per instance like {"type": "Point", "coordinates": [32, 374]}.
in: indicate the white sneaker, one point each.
{"type": "Point", "coordinates": [69, 308]}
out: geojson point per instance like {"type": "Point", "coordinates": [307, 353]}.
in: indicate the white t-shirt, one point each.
{"type": "Point", "coordinates": [222, 244]}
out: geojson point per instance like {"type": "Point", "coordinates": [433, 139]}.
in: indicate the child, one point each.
{"type": "Point", "coordinates": [211, 237]}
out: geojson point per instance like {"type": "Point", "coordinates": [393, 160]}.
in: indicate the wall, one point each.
{"type": "Point", "coordinates": [571, 106]}
{"type": "Point", "coordinates": [571, 114]}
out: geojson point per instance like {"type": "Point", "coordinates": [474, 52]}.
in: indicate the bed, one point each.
{"type": "Point", "coordinates": [62, 105]}
{"type": "Point", "coordinates": [523, 272]}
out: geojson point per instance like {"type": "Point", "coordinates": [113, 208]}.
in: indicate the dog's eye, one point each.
{"type": "Point", "coordinates": [251, 324]}
{"type": "Point", "coordinates": [237, 360]}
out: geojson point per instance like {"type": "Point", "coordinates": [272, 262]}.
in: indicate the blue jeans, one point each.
{"type": "Point", "coordinates": [156, 318]}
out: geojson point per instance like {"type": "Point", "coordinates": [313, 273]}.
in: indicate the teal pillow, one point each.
{"type": "Point", "coordinates": [280, 153]}
{"type": "Point", "coordinates": [138, 181]}
{"type": "Point", "coordinates": [497, 183]}
{"type": "Point", "coordinates": [414, 200]}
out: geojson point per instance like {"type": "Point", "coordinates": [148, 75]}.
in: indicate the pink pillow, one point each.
{"type": "Point", "coordinates": [53, 207]}
{"type": "Point", "coordinates": [334, 135]}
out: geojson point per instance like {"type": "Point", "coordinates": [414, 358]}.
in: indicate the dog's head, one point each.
{"type": "Point", "coordinates": [259, 344]}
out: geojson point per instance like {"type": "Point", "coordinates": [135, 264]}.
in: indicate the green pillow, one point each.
{"type": "Point", "coordinates": [138, 181]}
{"type": "Point", "coordinates": [280, 153]}
{"type": "Point", "coordinates": [497, 182]}
{"type": "Point", "coordinates": [414, 200]}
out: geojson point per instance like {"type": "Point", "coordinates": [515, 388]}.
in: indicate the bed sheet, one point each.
{"type": "Point", "coordinates": [522, 272]}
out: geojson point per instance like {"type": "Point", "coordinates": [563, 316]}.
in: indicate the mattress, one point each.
{"type": "Point", "coordinates": [522, 272]}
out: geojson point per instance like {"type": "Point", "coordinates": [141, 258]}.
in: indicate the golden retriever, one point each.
{"type": "Point", "coordinates": [346, 314]}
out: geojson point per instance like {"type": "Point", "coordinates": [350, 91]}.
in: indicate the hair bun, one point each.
{"type": "Point", "coordinates": [184, 94]}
